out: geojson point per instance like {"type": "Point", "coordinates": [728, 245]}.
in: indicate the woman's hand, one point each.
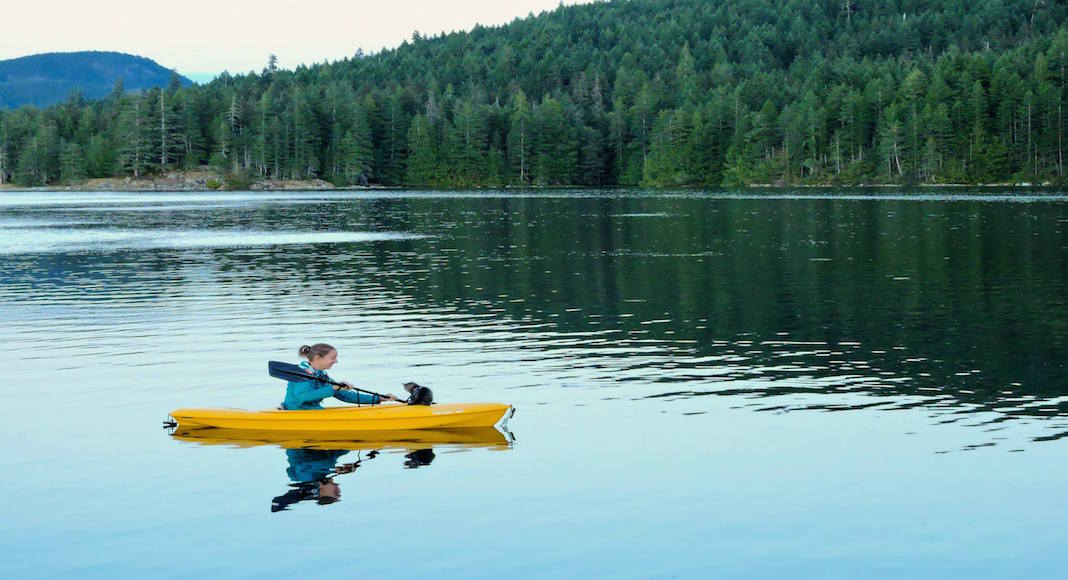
{"type": "Point", "coordinates": [389, 397]}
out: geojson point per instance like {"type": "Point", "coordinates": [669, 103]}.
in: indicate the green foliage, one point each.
{"type": "Point", "coordinates": [654, 92]}
{"type": "Point", "coordinates": [237, 181]}
{"type": "Point", "coordinates": [425, 166]}
{"type": "Point", "coordinates": [556, 145]}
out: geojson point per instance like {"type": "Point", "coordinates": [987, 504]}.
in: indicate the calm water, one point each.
{"type": "Point", "coordinates": [706, 385]}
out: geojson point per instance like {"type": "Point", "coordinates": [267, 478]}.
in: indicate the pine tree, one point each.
{"type": "Point", "coordinates": [467, 144]}
{"type": "Point", "coordinates": [30, 168]}
{"type": "Point", "coordinates": [890, 141]}
{"type": "Point", "coordinates": [424, 162]}
{"type": "Point", "coordinates": [556, 149]}
{"type": "Point", "coordinates": [134, 136]}
{"type": "Point", "coordinates": [686, 88]}
{"type": "Point", "coordinates": [394, 130]}
{"type": "Point", "coordinates": [1058, 59]}
{"type": "Point", "coordinates": [340, 99]}
{"type": "Point", "coordinates": [593, 158]}
{"type": "Point", "coordinates": [520, 139]}
{"type": "Point", "coordinates": [70, 163]}
{"type": "Point", "coordinates": [306, 137]}
{"type": "Point", "coordinates": [4, 149]}
{"type": "Point", "coordinates": [357, 154]}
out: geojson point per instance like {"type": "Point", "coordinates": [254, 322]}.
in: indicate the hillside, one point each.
{"type": "Point", "coordinates": [45, 79]}
{"type": "Point", "coordinates": [694, 93]}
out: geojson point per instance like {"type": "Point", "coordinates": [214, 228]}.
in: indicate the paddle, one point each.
{"type": "Point", "coordinates": [288, 372]}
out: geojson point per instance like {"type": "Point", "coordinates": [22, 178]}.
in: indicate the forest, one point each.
{"type": "Point", "coordinates": [652, 93]}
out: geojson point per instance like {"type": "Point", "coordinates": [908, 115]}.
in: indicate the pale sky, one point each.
{"type": "Point", "coordinates": [201, 38]}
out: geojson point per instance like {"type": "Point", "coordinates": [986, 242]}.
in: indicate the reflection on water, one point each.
{"type": "Point", "coordinates": [312, 472]}
{"type": "Point", "coordinates": [463, 438]}
{"type": "Point", "coordinates": [37, 239]}
{"type": "Point", "coordinates": [313, 463]}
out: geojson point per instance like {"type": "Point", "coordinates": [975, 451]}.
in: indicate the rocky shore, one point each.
{"type": "Point", "coordinates": [181, 181]}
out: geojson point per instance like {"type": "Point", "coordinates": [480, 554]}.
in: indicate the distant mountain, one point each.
{"type": "Point", "coordinates": [46, 79]}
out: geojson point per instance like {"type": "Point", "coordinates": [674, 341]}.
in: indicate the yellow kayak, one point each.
{"type": "Point", "coordinates": [348, 419]}
{"type": "Point", "coordinates": [490, 437]}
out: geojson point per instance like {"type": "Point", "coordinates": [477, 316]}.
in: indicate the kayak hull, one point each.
{"type": "Point", "coordinates": [348, 419]}
{"type": "Point", "coordinates": [486, 437]}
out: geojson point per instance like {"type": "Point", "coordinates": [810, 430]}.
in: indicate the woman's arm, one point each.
{"type": "Point", "coordinates": [309, 391]}
{"type": "Point", "coordinates": [357, 397]}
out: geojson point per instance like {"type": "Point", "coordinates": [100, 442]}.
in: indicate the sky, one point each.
{"type": "Point", "coordinates": [201, 38]}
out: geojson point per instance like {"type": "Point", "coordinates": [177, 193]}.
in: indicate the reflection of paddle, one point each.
{"type": "Point", "coordinates": [350, 467]}
{"type": "Point", "coordinates": [288, 372]}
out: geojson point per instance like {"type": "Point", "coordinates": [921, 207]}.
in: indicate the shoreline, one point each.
{"type": "Point", "coordinates": [205, 181]}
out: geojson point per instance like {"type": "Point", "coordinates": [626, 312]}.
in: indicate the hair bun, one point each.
{"type": "Point", "coordinates": [316, 350]}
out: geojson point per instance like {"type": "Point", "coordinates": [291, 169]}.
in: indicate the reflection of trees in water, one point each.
{"type": "Point", "coordinates": [959, 303]}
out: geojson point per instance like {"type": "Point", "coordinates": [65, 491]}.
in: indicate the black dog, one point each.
{"type": "Point", "coordinates": [420, 395]}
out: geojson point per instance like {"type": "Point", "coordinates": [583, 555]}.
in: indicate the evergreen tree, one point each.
{"type": "Point", "coordinates": [70, 163]}
{"type": "Point", "coordinates": [520, 139]}
{"type": "Point", "coordinates": [31, 169]}
{"type": "Point", "coordinates": [424, 161]}
{"type": "Point", "coordinates": [556, 148]}
{"type": "Point", "coordinates": [357, 154]}
{"type": "Point", "coordinates": [5, 150]}
{"type": "Point", "coordinates": [306, 136]}
{"type": "Point", "coordinates": [467, 144]}
{"type": "Point", "coordinates": [134, 136]}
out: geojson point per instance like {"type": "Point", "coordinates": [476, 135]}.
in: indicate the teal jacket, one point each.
{"type": "Point", "coordinates": [305, 395]}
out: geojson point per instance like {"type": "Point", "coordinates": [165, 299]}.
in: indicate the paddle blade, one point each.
{"type": "Point", "coordinates": [287, 372]}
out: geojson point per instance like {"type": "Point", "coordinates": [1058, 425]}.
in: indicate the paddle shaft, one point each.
{"type": "Point", "coordinates": [275, 370]}
{"type": "Point", "coordinates": [354, 464]}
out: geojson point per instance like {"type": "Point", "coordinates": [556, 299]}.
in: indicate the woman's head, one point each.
{"type": "Point", "coordinates": [329, 492]}
{"type": "Point", "coordinates": [321, 356]}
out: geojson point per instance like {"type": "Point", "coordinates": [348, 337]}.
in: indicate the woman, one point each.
{"type": "Point", "coordinates": [309, 394]}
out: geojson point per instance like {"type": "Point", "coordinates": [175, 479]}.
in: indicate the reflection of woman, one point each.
{"type": "Point", "coordinates": [312, 464]}
{"type": "Point", "coordinates": [323, 492]}
{"type": "Point", "coordinates": [309, 394]}
{"type": "Point", "coordinates": [312, 471]}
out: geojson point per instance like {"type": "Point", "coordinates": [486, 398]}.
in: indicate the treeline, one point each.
{"type": "Point", "coordinates": [644, 92]}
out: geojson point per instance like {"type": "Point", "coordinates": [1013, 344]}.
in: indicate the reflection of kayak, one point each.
{"type": "Point", "coordinates": [396, 439]}
{"type": "Point", "coordinates": [349, 419]}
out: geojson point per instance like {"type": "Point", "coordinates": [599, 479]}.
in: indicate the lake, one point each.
{"type": "Point", "coordinates": [761, 385]}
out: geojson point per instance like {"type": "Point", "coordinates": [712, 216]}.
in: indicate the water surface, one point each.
{"type": "Point", "coordinates": [835, 384]}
